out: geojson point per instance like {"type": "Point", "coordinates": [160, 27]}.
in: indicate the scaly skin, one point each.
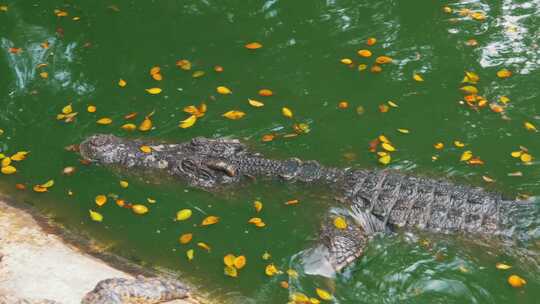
{"type": "Point", "coordinates": [376, 201]}
{"type": "Point", "coordinates": [136, 291]}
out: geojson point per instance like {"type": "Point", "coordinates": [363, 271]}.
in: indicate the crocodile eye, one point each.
{"type": "Point", "coordinates": [205, 174]}
{"type": "Point", "coordinates": [188, 166]}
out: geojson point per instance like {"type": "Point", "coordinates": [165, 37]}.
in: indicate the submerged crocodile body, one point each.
{"type": "Point", "coordinates": [374, 201]}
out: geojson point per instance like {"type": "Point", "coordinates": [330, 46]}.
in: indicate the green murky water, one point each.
{"type": "Point", "coordinates": [304, 42]}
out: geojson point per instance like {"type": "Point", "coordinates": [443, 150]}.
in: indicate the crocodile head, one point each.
{"type": "Point", "coordinates": [201, 162]}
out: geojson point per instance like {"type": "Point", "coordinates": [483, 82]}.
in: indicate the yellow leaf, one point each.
{"type": "Point", "coordinates": [6, 161]}
{"type": "Point", "coordinates": [145, 125]}
{"type": "Point", "coordinates": [487, 179]}
{"type": "Point", "coordinates": [255, 103]}
{"type": "Point", "coordinates": [233, 114]}
{"type": "Point", "coordinates": [67, 109]}
{"type": "Point", "coordinates": [47, 184]}
{"type": "Point", "coordinates": [383, 59]}
{"type": "Point", "coordinates": [323, 294]}
{"type": "Point", "coordinates": [392, 104]}
{"type": "Point", "coordinates": [526, 158]}
{"type": "Point", "coordinates": [253, 46]}
{"type": "Point", "coordinates": [271, 270]}
{"type": "Point", "coordinates": [139, 209]}
{"type": "Point", "coordinates": [95, 216]}
{"type": "Point", "coordinates": [438, 146]}
{"type": "Point", "coordinates": [265, 92]}
{"type": "Point", "coordinates": [346, 61]}
{"type": "Point", "coordinates": [101, 200]}
{"type": "Point", "coordinates": [128, 127]}
{"type": "Point", "coordinates": [504, 73]}
{"type": "Point", "coordinates": [188, 122]}
{"type": "Point", "coordinates": [91, 109]}
{"type": "Point", "coordinates": [504, 99]}
{"type": "Point", "coordinates": [417, 77]}
{"type": "Point", "coordinates": [371, 41]}
{"type": "Point", "coordinates": [190, 254]}
{"type": "Point", "coordinates": [39, 189]}
{"type": "Point", "coordinates": [364, 53]}
{"type": "Point", "coordinates": [471, 77]}
{"type": "Point", "coordinates": [404, 131]}
{"type": "Point", "coordinates": [104, 121]}
{"type": "Point", "coordinates": [388, 147]}
{"type": "Point", "coordinates": [183, 214]}
{"type": "Point", "coordinates": [185, 238]}
{"type": "Point", "coordinates": [122, 83]}
{"type": "Point", "coordinates": [240, 262]}
{"type": "Point", "coordinates": [150, 200]}
{"type": "Point", "coordinates": [458, 144]}
{"type": "Point", "coordinates": [184, 64]}
{"type": "Point", "coordinates": [258, 206]}
{"type": "Point", "coordinates": [340, 223]}
{"type": "Point", "coordinates": [502, 266]}
{"type": "Point", "coordinates": [153, 91]}
{"type": "Point", "coordinates": [231, 271]}
{"type": "Point", "coordinates": [155, 70]}
{"type": "Point", "coordinates": [254, 220]}
{"type": "Point", "coordinates": [467, 155]}
{"type": "Point", "coordinates": [529, 126]}
{"type": "Point", "coordinates": [223, 90]}
{"type": "Point", "coordinates": [228, 260]}
{"type": "Point", "coordinates": [299, 298]}
{"type": "Point", "coordinates": [516, 154]}
{"type": "Point", "coordinates": [204, 246]}
{"type": "Point", "coordinates": [8, 170]}
{"type": "Point", "coordinates": [362, 67]}
{"type": "Point", "coordinates": [210, 220]}
{"type": "Point", "coordinates": [124, 184]}
{"type": "Point", "coordinates": [197, 74]}
{"type": "Point", "coordinates": [292, 273]}
{"type": "Point", "coordinates": [146, 149]}
{"type": "Point", "coordinates": [266, 256]}
{"type": "Point", "coordinates": [287, 112]}
{"type": "Point", "coordinates": [516, 281]}
{"type": "Point", "coordinates": [385, 160]}
{"type": "Point", "coordinates": [479, 16]}
{"type": "Point", "coordinates": [469, 90]}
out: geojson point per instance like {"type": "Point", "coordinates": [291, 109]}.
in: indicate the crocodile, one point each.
{"type": "Point", "coordinates": [374, 201]}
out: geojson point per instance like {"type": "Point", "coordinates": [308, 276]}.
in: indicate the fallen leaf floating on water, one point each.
{"type": "Point", "coordinates": [185, 238]}
{"type": "Point", "coordinates": [504, 99]}
{"type": "Point", "coordinates": [265, 92]}
{"type": "Point", "coordinates": [383, 60]}
{"type": "Point", "coordinates": [526, 158]}
{"type": "Point", "coordinates": [183, 214]}
{"type": "Point", "coordinates": [504, 73]}
{"type": "Point", "coordinates": [458, 144]}
{"type": "Point", "coordinates": [478, 16]}
{"type": "Point", "coordinates": [340, 223]}
{"type": "Point", "coordinates": [95, 216]}
{"type": "Point", "coordinates": [91, 109]}
{"type": "Point", "coordinates": [257, 221]}
{"type": "Point", "coordinates": [346, 61]}
{"type": "Point", "coordinates": [146, 149]}
{"type": "Point", "coordinates": [44, 75]}
{"type": "Point", "coordinates": [284, 284]}
{"type": "Point", "coordinates": [255, 103]}
{"type": "Point", "coordinates": [418, 78]}
{"type": "Point", "coordinates": [488, 179]}
{"type": "Point", "coordinates": [299, 298]}
{"type": "Point", "coordinates": [139, 209]}
{"type": "Point", "coordinates": [385, 159]}
{"type": "Point", "coordinates": [253, 46]}
{"type": "Point", "coordinates": [19, 156]}
{"type": "Point", "coordinates": [223, 90]}
{"type": "Point", "coordinates": [197, 74]}
{"type": "Point", "coordinates": [122, 83]}
{"type": "Point", "coordinates": [239, 262]}
{"type": "Point", "coordinates": [388, 147]}
{"type": "Point", "coordinates": [383, 108]}
{"type": "Point", "coordinates": [364, 53]}
{"type": "Point", "coordinates": [502, 266]}
{"type": "Point", "coordinates": [323, 294]}
{"type": "Point", "coordinates": [268, 137]}
{"type": "Point", "coordinates": [101, 200]}
{"type": "Point", "coordinates": [190, 254]}
{"type": "Point", "coordinates": [471, 77]}
{"type": "Point", "coordinates": [392, 104]}
{"type": "Point", "coordinates": [124, 184]}
{"type": "Point", "coordinates": [104, 121]}
{"type": "Point", "coordinates": [271, 270]}
{"type": "Point", "coordinates": [184, 64]}
{"type": "Point", "coordinates": [467, 155]}
{"type": "Point", "coordinates": [60, 13]}
{"type": "Point", "coordinates": [233, 114]}
{"type": "Point", "coordinates": [7, 170]}
{"type": "Point", "coordinates": [204, 246]}
{"type": "Point", "coordinates": [469, 90]}
{"type": "Point", "coordinates": [371, 41]}
{"type": "Point", "coordinates": [529, 126]}
{"type": "Point", "coordinates": [218, 69]}
{"type": "Point", "coordinates": [199, 111]}
{"type": "Point", "coordinates": [153, 91]}
{"type": "Point", "coordinates": [266, 256]}
{"type": "Point", "coordinates": [258, 205]}
{"type": "Point", "coordinates": [128, 127]}
{"type": "Point", "coordinates": [230, 271]}
{"type": "Point", "coordinates": [343, 104]}
{"type": "Point", "coordinates": [146, 124]}
{"type": "Point", "coordinates": [67, 109]}
{"type": "Point", "coordinates": [188, 122]}
{"type": "Point", "coordinates": [292, 202]}
{"type": "Point", "coordinates": [228, 260]}
{"type": "Point", "coordinates": [376, 69]}
{"type": "Point", "coordinates": [210, 220]}
{"type": "Point", "coordinates": [3, 8]}
{"type": "Point", "coordinates": [287, 112]}
{"type": "Point", "coordinates": [516, 281]}
{"type": "Point", "coordinates": [404, 131]}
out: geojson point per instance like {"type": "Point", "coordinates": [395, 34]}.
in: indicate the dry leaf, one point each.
{"type": "Point", "coordinates": [188, 122]}
{"type": "Point", "coordinates": [234, 115]}
{"type": "Point", "coordinates": [183, 214]}
{"type": "Point", "coordinates": [210, 220]}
